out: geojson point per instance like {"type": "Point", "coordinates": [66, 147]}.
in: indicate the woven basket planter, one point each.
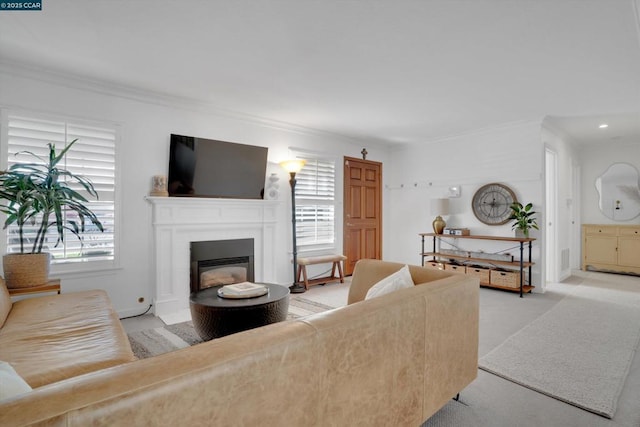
{"type": "Point", "coordinates": [26, 270]}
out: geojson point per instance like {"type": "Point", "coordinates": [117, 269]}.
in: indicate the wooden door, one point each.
{"type": "Point", "coordinates": [601, 250]}
{"type": "Point", "coordinates": [362, 211]}
{"type": "Point", "coordinates": [628, 250]}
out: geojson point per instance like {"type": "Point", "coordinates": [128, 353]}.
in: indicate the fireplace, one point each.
{"type": "Point", "coordinates": [178, 221]}
{"type": "Point", "coordinates": [221, 262]}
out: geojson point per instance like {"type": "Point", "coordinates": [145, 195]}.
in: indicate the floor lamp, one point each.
{"type": "Point", "coordinates": [293, 167]}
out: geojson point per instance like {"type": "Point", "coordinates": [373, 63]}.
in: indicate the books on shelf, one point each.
{"type": "Point", "coordinates": [242, 290]}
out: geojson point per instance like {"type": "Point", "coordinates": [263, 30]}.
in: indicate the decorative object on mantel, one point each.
{"type": "Point", "coordinates": [491, 203]}
{"type": "Point", "coordinates": [364, 153]}
{"type": "Point", "coordinates": [439, 207]}
{"type": "Point", "coordinates": [36, 193]}
{"type": "Point", "coordinates": [524, 220]}
{"type": "Point", "coordinates": [159, 186]}
{"type": "Point", "coordinates": [294, 166]}
{"type": "Point", "coordinates": [273, 187]}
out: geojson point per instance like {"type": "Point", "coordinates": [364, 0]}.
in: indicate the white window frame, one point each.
{"type": "Point", "coordinates": [69, 268]}
{"type": "Point", "coordinates": [319, 201]}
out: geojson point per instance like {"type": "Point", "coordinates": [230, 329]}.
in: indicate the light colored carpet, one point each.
{"type": "Point", "coordinates": [152, 342]}
{"type": "Point", "coordinates": [579, 351]}
{"type": "Point", "coordinates": [456, 413]}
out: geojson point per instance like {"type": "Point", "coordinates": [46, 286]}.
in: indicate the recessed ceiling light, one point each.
{"type": "Point", "coordinates": [603, 126]}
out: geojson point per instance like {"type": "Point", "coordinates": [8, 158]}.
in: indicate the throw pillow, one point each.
{"type": "Point", "coordinates": [5, 302]}
{"type": "Point", "coordinates": [399, 280]}
{"type": "Point", "coordinates": [11, 384]}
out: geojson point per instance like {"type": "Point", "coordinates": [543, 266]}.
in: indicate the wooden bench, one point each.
{"type": "Point", "coordinates": [336, 261]}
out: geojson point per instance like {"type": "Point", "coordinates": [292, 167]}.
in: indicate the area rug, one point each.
{"type": "Point", "coordinates": [152, 342]}
{"type": "Point", "coordinates": [579, 351]}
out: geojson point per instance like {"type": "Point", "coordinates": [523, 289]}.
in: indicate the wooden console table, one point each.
{"type": "Point", "coordinates": [52, 285]}
{"type": "Point", "coordinates": [519, 265]}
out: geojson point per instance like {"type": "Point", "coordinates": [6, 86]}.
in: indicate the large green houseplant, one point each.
{"type": "Point", "coordinates": [524, 219]}
{"type": "Point", "coordinates": [38, 195]}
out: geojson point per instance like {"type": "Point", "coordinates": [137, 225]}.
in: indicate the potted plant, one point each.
{"type": "Point", "coordinates": [524, 219]}
{"type": "Point", "coordinates": [39, 196]}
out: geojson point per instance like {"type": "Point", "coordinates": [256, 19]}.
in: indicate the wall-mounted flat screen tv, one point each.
{"type": "Point", "coordinates": [200, 167]}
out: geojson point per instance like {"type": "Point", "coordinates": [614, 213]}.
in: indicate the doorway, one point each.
{"type": "Point", "coordinates": [362, 211]}
{"type": "Point", "coordinates": [551, 241]}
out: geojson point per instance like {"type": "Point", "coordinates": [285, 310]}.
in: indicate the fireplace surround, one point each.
{"type": "Point", "coordinates": [179, 221]}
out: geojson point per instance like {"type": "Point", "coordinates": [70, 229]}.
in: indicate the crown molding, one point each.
{"type": "Point", "coordinates": [479, 131]}
{"type": "Point", "coordinates": [551, 126]}
{"type": "Point", "coordinates": [103, 87]}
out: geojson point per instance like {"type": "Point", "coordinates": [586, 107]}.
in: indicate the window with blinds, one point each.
{"type": "Point", "coordinates": [93, 157]}
{"type": "Point", "coordinates": [315, 203]}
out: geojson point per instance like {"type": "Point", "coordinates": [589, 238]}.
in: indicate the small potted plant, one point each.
{"type": "Point", "coordinates": [40, 195]}
{"type": "Point", "coordinates": [524, 219]}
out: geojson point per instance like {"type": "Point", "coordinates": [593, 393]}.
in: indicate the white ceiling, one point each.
{"type": "Point", "coordinates": [391, 70]}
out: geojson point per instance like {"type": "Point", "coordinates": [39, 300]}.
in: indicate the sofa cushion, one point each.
{"type": "Point", "coordinates": [5, 302]}
{"type": "Point", "coordinates": [50, 338]}
{"type": "Point", "coordinates": [399, 280]}
{"type": "Point", "coordinates": [11, 384]}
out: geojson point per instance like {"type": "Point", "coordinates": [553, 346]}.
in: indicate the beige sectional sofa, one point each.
{"type": "Point", "coordinates": [50, 338]}
{"type": "Point", "coordinates": [391, 360]}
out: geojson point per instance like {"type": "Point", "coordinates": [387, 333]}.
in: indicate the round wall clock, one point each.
{"type": "Point", "coordinates": [492, 203]}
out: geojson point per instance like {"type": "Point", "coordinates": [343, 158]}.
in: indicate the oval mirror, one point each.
{"type": "Point", "coordinates": [619, 192]}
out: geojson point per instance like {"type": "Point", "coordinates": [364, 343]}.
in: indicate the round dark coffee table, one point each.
{"type": "Point", "coordinates": [215, 317]}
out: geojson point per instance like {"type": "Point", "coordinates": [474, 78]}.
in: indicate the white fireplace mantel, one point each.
{"type": "Point", "coordinates": [178, 221]}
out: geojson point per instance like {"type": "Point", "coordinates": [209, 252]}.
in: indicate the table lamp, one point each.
{"type": "Point", "coordinates": [439, 207]}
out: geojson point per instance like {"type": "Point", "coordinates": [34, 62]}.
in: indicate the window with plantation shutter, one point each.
{"type": "Point", "coordinates": [92, 156]}
{"type": "Point", "coordinates": [315, 203]}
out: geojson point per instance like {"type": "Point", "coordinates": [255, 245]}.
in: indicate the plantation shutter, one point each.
{"type": "Point", "coordinates": [93, 157]}
{"type": "Point", "coordinates": [315, 202]}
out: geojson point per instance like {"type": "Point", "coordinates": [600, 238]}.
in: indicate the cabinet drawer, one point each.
{"type": "Point", "coordinates": [456, 268]}
{"type": "Point", "coordinates": [484, 274]}
{"type": "Point", "coordinates": [629, 231]}
{"type": "Point", "coordinates": [434, 264]}
{"type": "Point", "coordinates": [509, 279]}
{"type": "Point", "coordinates": [601, 229]}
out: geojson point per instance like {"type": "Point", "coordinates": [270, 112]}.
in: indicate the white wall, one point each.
{"type": "Point", "coordinates": [146, 123]}
{"type": "Point", "coordinates": [595, 160]}
{"type": "Point", "coordinates": [511, 154]}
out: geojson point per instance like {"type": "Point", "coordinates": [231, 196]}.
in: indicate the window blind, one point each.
{"type": "Point", "coordinates": [93, 157]}
{"type": "Point", "coordinates": [315, 202]}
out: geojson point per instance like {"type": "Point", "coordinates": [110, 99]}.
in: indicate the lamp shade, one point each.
{"type": "Point", "coordinates": [440, 206]}
{"type": "Point", "coordinates": [294, 165]}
